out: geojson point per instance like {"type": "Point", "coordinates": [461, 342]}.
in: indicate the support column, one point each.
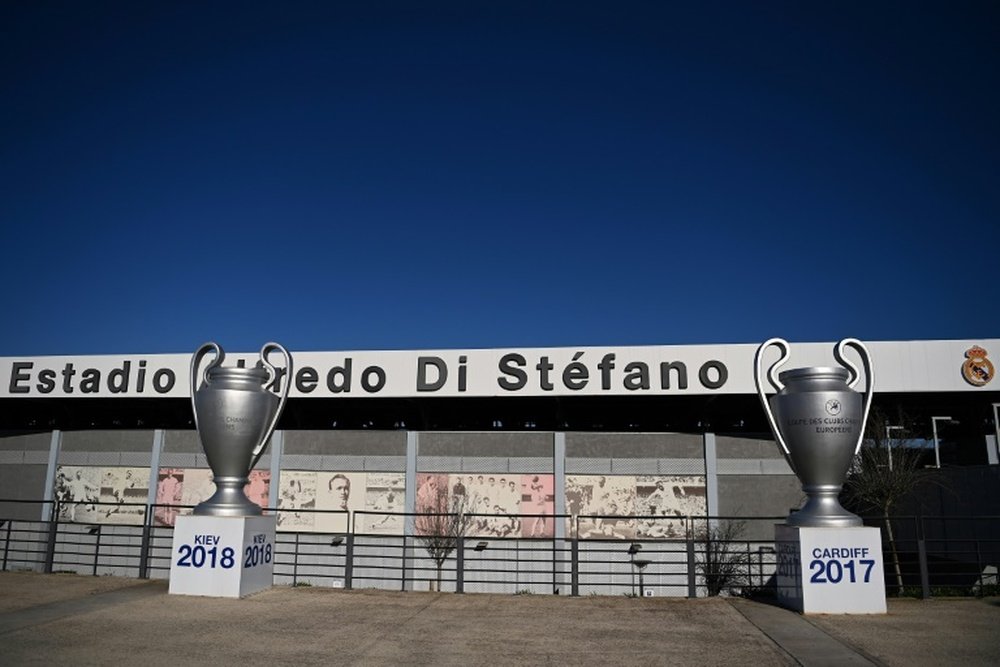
{"type": "Point", "coordinates": [55, 446]}
{"type": "Point", "coordinates": [558, 507]}
{"type": "Point", "coordinates": [277, 450]}
{"type": "Point", "coordinates": [154, 468]}
{"type": "Point", "coordinates": [410, 503]}
{"type": "Point", "coordinates": [559, 484]}
{"type": "Point", "coordinates": [410, 499]}
{"type": "Point", "coordinates": [711, 476]}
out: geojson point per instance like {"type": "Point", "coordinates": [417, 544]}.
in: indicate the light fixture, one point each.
{"type": "Point", "coordinates": [481, 546]}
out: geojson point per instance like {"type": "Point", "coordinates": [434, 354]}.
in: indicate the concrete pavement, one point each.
{"type": "Point", "coordinates": [69, 619]}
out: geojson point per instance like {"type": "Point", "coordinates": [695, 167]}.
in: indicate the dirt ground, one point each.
{"type": "Point", "coordinates": [942, 631]}
{"type": "Point", "coordinates": [69, 619]}
{"type": "Point", "coordinates": [20, 590]}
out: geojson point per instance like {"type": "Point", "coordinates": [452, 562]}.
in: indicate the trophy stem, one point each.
{"type": "Point", "coordinates": [228, 499]}
{"type": "Point", "coordinates": [823, 509]}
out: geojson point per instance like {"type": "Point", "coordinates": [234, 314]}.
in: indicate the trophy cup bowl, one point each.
{"type": "Point", "coordinates": [818, 421]}
{"type": "Point", "coordinates": [235, 416]}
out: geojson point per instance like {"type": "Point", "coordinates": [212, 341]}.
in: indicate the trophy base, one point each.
{"type": "Point", "coordinates": [803, 519]}
{"type": "Point", "coordinates": [830, 570]}
{"type": "Point", "coordinates": [823, 510]}
{"type": "Point", "coordinates": [228, 500]}
{"type": "Point", "coordinates": [217, 556]}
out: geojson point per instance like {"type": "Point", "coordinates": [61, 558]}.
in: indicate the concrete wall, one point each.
{"type": "Point", "coordinates": [529, 443]}
{"type": "Point", "coordinates": [350, 443]}
{"type": "Point", "coordinates": [634, 445]}
{"type": "Point", "coordinates": [526, 452]}
{"type": "Point", "coordinates": [752, 479]}
{"type": "Point", "coordinates": [23, 462]}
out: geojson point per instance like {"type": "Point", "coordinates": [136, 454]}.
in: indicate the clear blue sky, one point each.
{"type": "Point", "coordinates": [419, 175]}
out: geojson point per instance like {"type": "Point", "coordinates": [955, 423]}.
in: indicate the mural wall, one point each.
{"type": "Point", "coordinates": [500, 505]}
{"type": "Point", "coordinates": [659, 502]}
{"type": "Point", "coordinates": [492, 500]}
{"type": "Point", "coordinates": [100, 495]}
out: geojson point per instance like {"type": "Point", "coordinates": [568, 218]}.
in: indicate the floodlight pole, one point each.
{"type": "Point", "coordinates": [937, 446]}
{"type": "Point", "coordinates": [888, 438]}
{"type": "Point", "coordinates": [996, 427]}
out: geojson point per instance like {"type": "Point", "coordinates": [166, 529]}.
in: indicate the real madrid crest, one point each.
{"type": "Point", "coordinates": [977, 369]}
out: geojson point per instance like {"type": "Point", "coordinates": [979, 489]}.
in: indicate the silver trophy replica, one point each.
{"type": "Point", "coordinates": [235, 416]}
{"type": "Point", "coordinates": [819, 422]}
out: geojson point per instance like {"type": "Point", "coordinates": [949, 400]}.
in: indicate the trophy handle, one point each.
{"type": "Point", "coordinates": [866, 359]}
{"type": "Point", "coordinates": [773, 379]}
{"type": "Point", "coordinates": [195, 361]}
{"type": "Point", "coordinates": [272, 373]}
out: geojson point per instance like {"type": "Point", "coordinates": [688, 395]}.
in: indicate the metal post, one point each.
{"type": "Point", "coordinates": [295, 561]}
{"type": "Point", "coordinates": [402, 572]}
{"type": "Point", "coordinates": [97, 549]}
{"type": "Point", "coordinates": [925, 583]}
{"type": "Point", "coordinates": [517, 565]}
{"type": "Point", "coordinates": [50, 547]}
{"type": "Point", "coordinates": [6, 544]}
{"type": "Point", "coordinates": [575, 566]}
{"type": "Point", "coordinates": [349, 562]}
{"type": "Point", "coordinates": [144, 545]}
{"type": "Point", "coordinates": [555, 561]}
{"type": "Point", "coordinates": [979, 567]}
{"type": "Point", "coordinates": [460, 565]}
{"type": "Point", "coordinates": [631, 560]}
{"type": "Point", "coordinates": [691, 567]}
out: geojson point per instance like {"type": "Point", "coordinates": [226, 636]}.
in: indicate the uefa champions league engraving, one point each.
{"type": "Point", "coordinates": [235, 416]}
{"type": "Point", "coordinates": [819, 422]}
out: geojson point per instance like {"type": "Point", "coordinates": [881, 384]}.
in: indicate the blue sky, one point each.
{"type": "Point", "coordinates": [436, 175]}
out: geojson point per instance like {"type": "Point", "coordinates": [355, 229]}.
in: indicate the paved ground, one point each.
{"type": "Point", "coordinates": [69, 619]}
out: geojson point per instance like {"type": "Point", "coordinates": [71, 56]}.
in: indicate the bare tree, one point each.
{"type": "Point", "coordinates": [884, 473]}
{"type": "Point", "coordinates": [724, 563]}
{"type": "Point", "coordinates": [442, 520]}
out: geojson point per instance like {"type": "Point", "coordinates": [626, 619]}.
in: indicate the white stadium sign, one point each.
{"type": "Point", "coordinates": [905, 366]}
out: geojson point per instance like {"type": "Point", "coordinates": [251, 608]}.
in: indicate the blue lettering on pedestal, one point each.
{"type": "Point", "coordinates": [833, 565]}
{"type": "Point", "coordinates": [258, 553]}
{"type": "Point", "coordinates": [197, 556]}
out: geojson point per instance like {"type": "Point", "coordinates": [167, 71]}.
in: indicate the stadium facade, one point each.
{"type": "Point", "coordinates": [652, 430]}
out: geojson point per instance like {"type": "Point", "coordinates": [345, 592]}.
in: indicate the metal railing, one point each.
{"type": "Point", "coordinates": [926, 556]}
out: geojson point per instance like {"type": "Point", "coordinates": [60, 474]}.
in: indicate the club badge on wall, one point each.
{"type": "Point", "coordinates": [977, 369]}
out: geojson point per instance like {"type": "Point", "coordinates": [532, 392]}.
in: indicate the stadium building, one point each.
{"type": "Point", "coordinates": [543, 443]}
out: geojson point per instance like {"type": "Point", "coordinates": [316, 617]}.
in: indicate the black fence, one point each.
{"type": "Point", "coordinates": [594, 555]}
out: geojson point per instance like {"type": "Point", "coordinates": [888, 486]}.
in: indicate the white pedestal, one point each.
{"type": "Point", "coordinates": [830, 570]}
{"type": "Point", "coordinates": [222, 556]}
